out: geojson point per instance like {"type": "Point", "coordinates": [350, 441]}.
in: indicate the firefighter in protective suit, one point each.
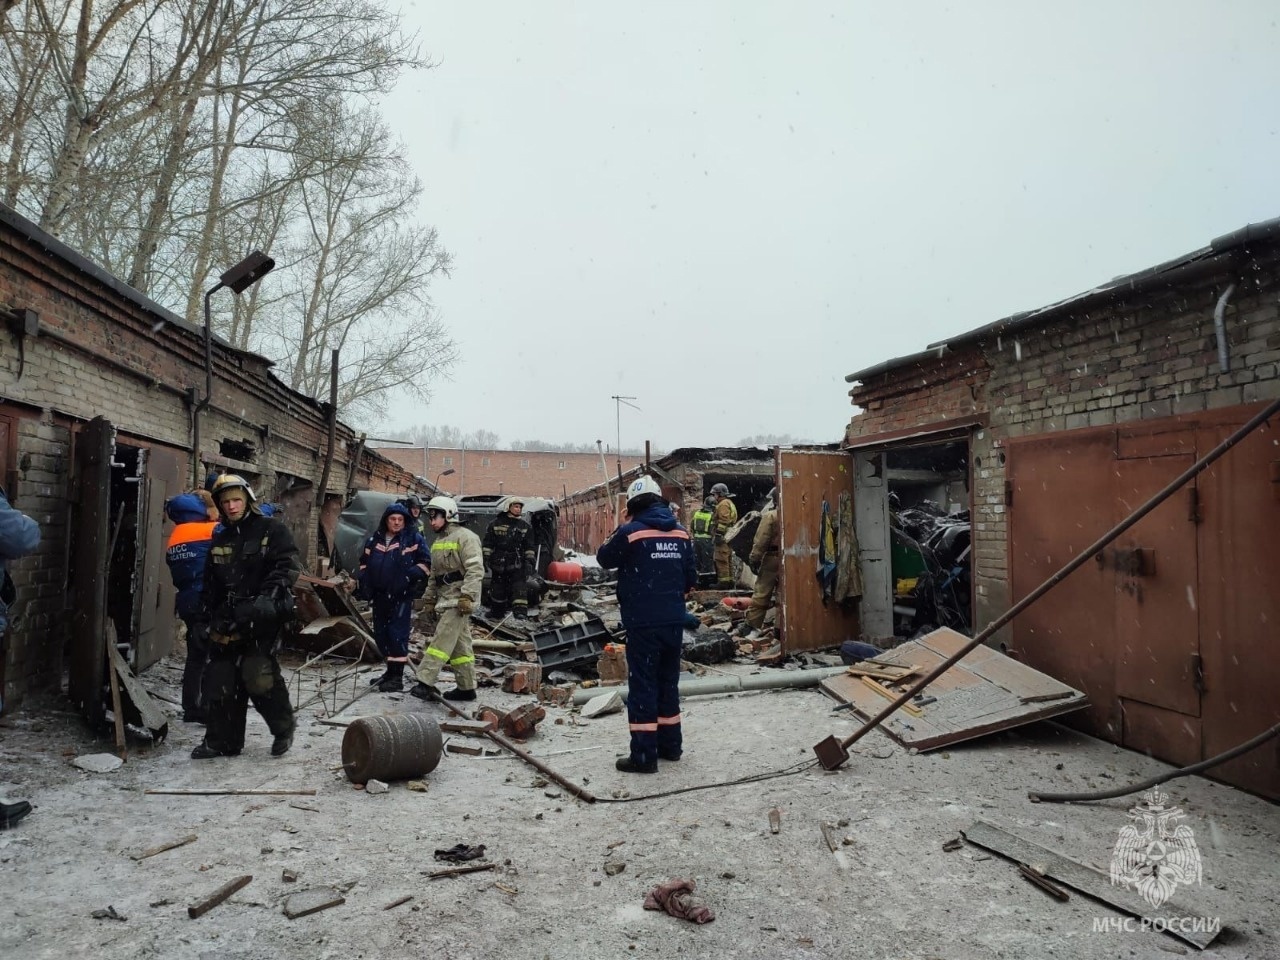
{"type": "Point", "coordinates": [453, 591]}
{"type": "Point", "coordinates": [704, 519]}
{"type": "Point", "coordinates": [726, 517]}
{"type": "Point", "coordinates": [764, 562]}
{"type": "Point", "coordinates": [247, 597]}
{"type": "Point", "coordinates": [508, 560]}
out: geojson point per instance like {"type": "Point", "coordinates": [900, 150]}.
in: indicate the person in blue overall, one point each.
{"type": "Point", "coordinates": [654, 557]}
{"type": "Point", "coordinates": [393, 570]}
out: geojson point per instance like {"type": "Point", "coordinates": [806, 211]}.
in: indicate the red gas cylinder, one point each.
{"type": "Point", "coordinates": [563, 571]}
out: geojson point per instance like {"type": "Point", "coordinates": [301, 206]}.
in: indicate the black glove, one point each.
{"type": "Point", "coordinates": [257, 616]}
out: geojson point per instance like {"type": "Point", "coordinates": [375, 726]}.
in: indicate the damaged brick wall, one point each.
{"type": "Point", "coordinates": [1144, 358]}
{"type": "Point", "coordinates": [102, 349]}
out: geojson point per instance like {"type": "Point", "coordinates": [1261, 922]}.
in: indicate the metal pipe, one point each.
{"type": "Point", "coordinates": [691, 686]}
{"type": "Point", "coordinates": [1220, 328]}
{"type": "Point", "coordinates": [1081, 558]}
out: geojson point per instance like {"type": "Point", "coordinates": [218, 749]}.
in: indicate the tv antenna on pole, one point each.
{"type": "Point", "coordinates": [618, 402]}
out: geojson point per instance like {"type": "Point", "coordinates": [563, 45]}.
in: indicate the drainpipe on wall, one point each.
{"type": "Point", "coordinates": [1220, 327]}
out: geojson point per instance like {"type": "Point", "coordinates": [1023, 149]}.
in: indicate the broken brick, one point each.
{"type": "Point", "coordinates": [557, 696]}
{"type": "Point", "coordinates": [521, 722]}
{"type": "Point", "coordinates": [521, 677]}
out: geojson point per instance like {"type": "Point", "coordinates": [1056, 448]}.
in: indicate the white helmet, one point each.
{"type": "Point", "coordinates": [641, 486]}
{"type": "Point", "coordinates": [445, 505]}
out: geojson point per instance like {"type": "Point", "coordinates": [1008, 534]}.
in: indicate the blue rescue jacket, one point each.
{"type": "Point", "coordinates": [654, 559]}
{"type": "Point", "coordinates": [390, 571]}
{"type": "Point", "coordinates": [188, 550]}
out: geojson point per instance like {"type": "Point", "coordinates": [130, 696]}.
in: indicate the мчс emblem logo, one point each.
{"type": "Point", "coordinates": [1155, 853]}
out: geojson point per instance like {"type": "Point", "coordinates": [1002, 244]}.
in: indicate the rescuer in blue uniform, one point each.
{"type": "Point", "coordinates": [186, 554]}
{"type": "Point", "coordinates": [654, 559]}
{"type": "Point", "coordinates": [393, 570]}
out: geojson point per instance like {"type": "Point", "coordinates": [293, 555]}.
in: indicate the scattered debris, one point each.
{"type": "Point", "coordinates": [375, 787]}
{"type": "Point", "coordinates": [457, 871]}
{"type": "Point", "coordinates": [521, 722]}
{"type": "Point", "coordinates": [775, 820]}
{"type": "Point", "coordinates": [303, 806]}
{"type": "Point", "coordinates": [677, 898]}
{"type": "Point", "coordinates": [98, 762]}
{"type": "Point", "coordinates": [829, 835]}
{"type": "Point", "coordinates": [197, 910]}
{"type": "Point", "coordinates": [108, 914]}
{"type": "Point", "coordinates": [505, 888]}
{"type": "Point", "coordinates": [952, 845]}
{"type": "Point", "coordinates": [465, 749]}
{"type": "Point", "coordinates": [460, 853]}
{"type": "Point", "coordinates": [472, 728]}
{"type": "Point", "coordinates": [521, 677]}
{"type": "Point", "coordinates": [397, 903]}
{"type": "Point", "coordinates": [602, 705]}
{"type": "Point", "coordinates": [306, 902]}
{"type": "Point", "coordinates": [1092, 883]}
{"type": "Point", "coordinates": [288, 876]}
{"type": "Point", "coordinates": [614, 867]}
{"type": "Point", "coordinates": [171, 845]}
{"type": "Point", "coordinates": [417, 786]}
{"type": "Point", "coordinates": [1038, 878]}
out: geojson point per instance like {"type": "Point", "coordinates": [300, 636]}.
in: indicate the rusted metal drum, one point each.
{"type": "Point", "coordinates": [398, 747]}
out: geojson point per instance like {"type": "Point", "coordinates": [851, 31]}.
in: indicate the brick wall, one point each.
{"type": "Point", "coordinates": [1141, 358]}
{"type": "Point", "coordinates": [531, 473]}
{"type": "Point", "coordinates": [104, 350]}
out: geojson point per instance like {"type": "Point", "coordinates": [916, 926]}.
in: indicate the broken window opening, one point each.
{"type": "Point", "coordinates": [237, 449]}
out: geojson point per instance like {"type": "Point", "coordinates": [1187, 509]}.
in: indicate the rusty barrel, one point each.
{"type": "Point", "coordinates": [397, 747]}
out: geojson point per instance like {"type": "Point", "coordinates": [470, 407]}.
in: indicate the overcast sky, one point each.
{"type": "Point", "coordinates": [724, 208]}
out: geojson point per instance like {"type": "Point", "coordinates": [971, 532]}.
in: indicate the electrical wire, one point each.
{"type": "Point", "coordinates": [1154, 781]}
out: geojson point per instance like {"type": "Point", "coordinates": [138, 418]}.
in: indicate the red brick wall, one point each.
{"type": "Point", "coordinates": [531, 473]}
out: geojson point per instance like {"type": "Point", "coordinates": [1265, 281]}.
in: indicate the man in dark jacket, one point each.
{"type": "Point", "coordinates": [393, 570]}
{"type": "Point", "coordinates": [186, 553]}
{"type": "Point", "coordinates": [247, 598]}
{"type": "Point", "coordinates": [654, 559]}
{"type": "Point", "coordinates": [508, 560]}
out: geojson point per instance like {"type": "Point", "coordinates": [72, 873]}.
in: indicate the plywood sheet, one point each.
{"type": "Point", "coordinates": [985, 692]}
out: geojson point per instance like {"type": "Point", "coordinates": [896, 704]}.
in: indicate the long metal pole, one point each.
{"type": "Point", "coordinates": [1081, 558]}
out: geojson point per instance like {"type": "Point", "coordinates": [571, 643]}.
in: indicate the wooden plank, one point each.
{"type": "Point", "coordinates": [890, 695]}
{"type": "Point", "coordinates": [306, 902]}
{"type": "Point", "coordinates": [1092, 883]}
{"type": "Point", "coordinates": [171, 845]}
{"type": "Point", "coordinates": [197, 910]}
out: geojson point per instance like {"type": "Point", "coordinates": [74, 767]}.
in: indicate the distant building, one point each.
{"type": "Point", "coordinates": [533, 473]}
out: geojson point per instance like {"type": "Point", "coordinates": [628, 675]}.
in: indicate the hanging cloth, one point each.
{"type": "Point", "coordinates": [827, 558]}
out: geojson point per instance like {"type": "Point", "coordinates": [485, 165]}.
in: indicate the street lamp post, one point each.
{"type": "Point", "coordinates": [238, 279]}
{"type": "Point", "coordinates": [444, 473]}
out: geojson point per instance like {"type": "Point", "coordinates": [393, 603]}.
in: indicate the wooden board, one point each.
{"type": "Point", "coordinates": [983, 693]}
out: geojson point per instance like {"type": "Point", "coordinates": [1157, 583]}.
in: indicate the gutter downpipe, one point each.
{"type": "Point", "coordinates": [1220, 328]}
